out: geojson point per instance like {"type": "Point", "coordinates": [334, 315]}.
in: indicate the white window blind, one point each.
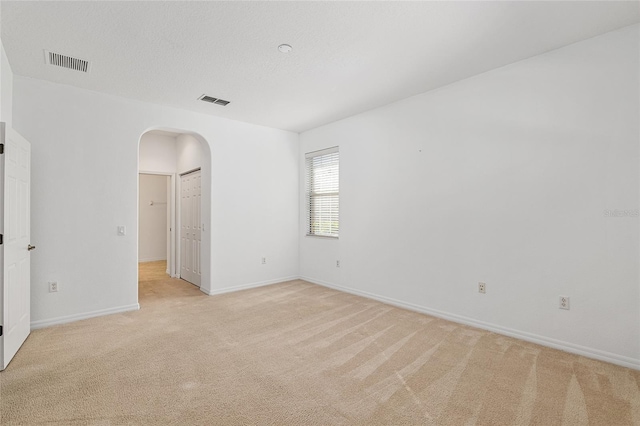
{"type": "Point", "coordinates": [323, 192]}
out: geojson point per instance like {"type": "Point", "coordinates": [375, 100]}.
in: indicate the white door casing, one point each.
{"type": "Point", "coordinates": [190, 227]}
{"type": "Point", "coordinates": [16, 282]}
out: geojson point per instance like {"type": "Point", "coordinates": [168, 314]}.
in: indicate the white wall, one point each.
{"type": "Point", "coordinates": [153, 223]}
{"type": "Point", "coordinates": [189, 154]}
{"type": "Point", "coordinates": [85, 171]}
{"type": "Point", "coordinates": [6, 88]}
{"type": "Point", "coordinates": [158, 153]}
{"type": "Point", "coordinates": [502, 178]}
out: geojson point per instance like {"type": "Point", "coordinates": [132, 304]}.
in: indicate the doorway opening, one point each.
{"type": "Point", "coordinates": [174, 193]}
{"type": "Point", "coordinates": [154, 220]}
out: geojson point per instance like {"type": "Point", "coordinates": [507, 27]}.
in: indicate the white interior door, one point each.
{"type": "Point", "coordinates": [16, 282]}
{"type": "Point", "coordinates": [190, 227]}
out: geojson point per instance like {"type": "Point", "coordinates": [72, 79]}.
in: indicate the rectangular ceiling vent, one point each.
{"type": "Point", "coordinates": [213, 100]}
{"type": "Point", "coordinates": [65, 61]}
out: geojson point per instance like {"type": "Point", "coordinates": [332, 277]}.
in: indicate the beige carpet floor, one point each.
{"type": "Point", "coordinates": [299, 354]}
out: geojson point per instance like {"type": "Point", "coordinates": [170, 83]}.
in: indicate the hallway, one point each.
{"type": "Point", "coordinates": [154, 285]}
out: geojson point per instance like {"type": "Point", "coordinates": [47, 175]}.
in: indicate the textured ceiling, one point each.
{"type": "Point", "coordinates": [347, 57]}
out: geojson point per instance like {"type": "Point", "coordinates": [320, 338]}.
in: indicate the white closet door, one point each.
{"type": "Point", "coordinates": [190, 227]}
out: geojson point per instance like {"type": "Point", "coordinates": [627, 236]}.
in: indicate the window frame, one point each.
{"type": "Point", "coordinates": [309, 193]}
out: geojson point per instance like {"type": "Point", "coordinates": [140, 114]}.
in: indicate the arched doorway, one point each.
{"type": "Point", "coordinates": [181, 158]}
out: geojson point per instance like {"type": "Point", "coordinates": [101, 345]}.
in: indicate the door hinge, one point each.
{"type": "Point", "coordinates": [1, 148]}
{"type": "Point", "coordinates": [0, 239]}
{"type": "Point", "coordinates": [0, 330]}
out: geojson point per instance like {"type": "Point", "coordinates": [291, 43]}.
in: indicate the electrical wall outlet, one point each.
{"type": "Point", "coordinates": [482, 288]}
{"type": "Point", "coordinates": [337, 263]}
{"type": "Point", "coordinates": [564, 303]}
{"type": "Point", "coordinates": [53, 286]}
{"type": "Point", "coordinates": [264, 260]}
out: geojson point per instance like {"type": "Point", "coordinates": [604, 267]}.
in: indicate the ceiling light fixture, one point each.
{"type": "Point", "coordinates": [285, 48]}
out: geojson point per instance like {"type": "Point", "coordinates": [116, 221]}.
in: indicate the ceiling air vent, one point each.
{"type": "Point", "coordinates": [64, 61]}
{"type": "Point", "coordinates": [213, 100]}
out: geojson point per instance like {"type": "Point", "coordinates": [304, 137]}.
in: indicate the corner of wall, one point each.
{"type": "Point", "coordinates": [6, 88]}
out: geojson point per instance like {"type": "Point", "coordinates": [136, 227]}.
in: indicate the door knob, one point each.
{"type": "Point", "coordinates": [30, 247]}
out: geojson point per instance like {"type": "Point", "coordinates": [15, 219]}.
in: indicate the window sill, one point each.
{"type": "Point", "coordinates": [329, 237]}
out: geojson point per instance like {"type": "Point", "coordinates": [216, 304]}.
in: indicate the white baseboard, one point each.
{"type": "Point", "coordinates": [529, 337]}
{"type": "Point", "coordinates": [151, 259]}
{"type": "Point", "coordinates": [247, 286]}
{"type": "Point", "coordinates": [77, 317]}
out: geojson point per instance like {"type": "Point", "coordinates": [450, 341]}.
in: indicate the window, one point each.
{"type": "Point", "coordinates": [323, 195]}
